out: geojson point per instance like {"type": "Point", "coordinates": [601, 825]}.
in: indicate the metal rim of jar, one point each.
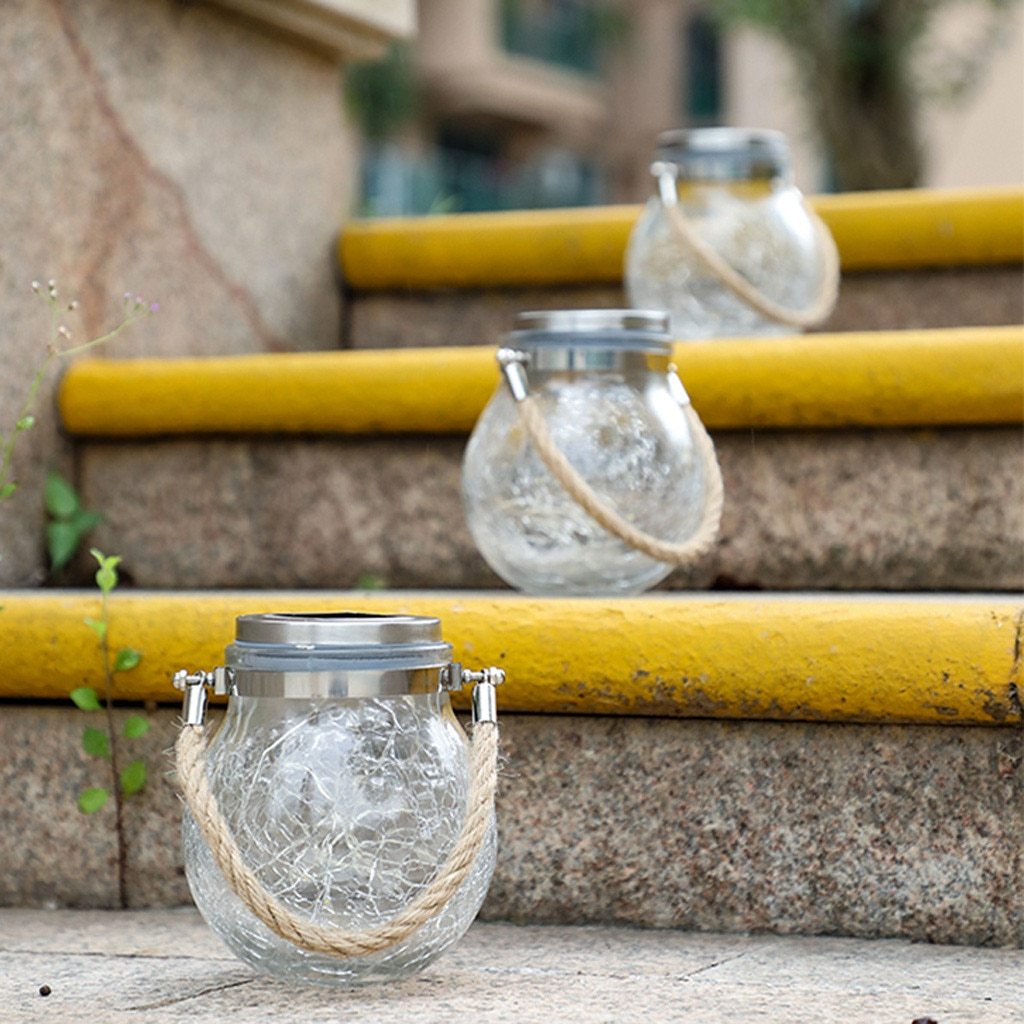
{"type": "Point", "coordinates": [341, 629]}
{"type": "Point", "coordinates": [342, 684]}
{"type": "Point", "coordinates": [593, 339]}
{"type": "Point", "coordinates": [722, 154]}
{"type": "Point", "coordinates": [336, 655]}
{"type": "Point", "coordinates": [569, 359]}
{"type": "Point", "coordinates": [649, 322]}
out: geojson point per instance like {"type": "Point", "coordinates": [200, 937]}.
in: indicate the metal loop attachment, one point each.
{"type": "Point", "coordinates": [667, 177]}
{"type": "Point", "coordinates": [195, 686]}
{"type": "Point", "coordinates": [513, 367]}
{"type": "Point", "coordinates": [485, 683]}
{"type": "Point", "coordinates": [675, 387]}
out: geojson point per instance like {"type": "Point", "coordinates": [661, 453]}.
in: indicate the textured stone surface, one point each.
{"type": "Point", "coordinates": [882, 509]}
{"type": "Point", "coordinates": [957, 297]}
{"type": "Point", "coordinates": [167, 967]}
{"type": "Point", "coordinates": [868, 831]}
{"type": "Point", "coordinates": [172, 150]}
{"type": "Point", "coordinates": [737, 826]}
{"type": "Point", "coordinates": [53, 854]}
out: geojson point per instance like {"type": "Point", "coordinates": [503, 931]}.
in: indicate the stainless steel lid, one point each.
{"type": "Point", "coordinates": [336, 655]}
{"type": "Point", "coordinates": [544, 332]}
{"type": "Point", "coordinates": [586, 320]}
{"type": "Point", "coordinates": [722, 154]}
{"type": "Point", "coordinates": [336, 629]}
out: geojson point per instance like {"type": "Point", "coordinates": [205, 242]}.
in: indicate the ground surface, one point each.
{"type": "Point", "coordinates": [166, 966]}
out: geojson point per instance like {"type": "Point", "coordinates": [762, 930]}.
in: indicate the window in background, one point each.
{"type": "Point", "coordinates": [469, 174]}
{"type": "Point", "coordinates": [561, 32]}
{"type": "Point", "coordinates": [703, 71]}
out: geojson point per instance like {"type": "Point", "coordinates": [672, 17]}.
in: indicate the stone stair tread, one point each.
{"type": "Point", "coordinates": [166, 966]}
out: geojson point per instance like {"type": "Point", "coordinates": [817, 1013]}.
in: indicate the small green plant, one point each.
{"type": "Point", "coordinates": [135, 308]}
{"type": "Point", "coordinates": [104, 743]}
{"type": "Point", "coordinates": [70, 522]}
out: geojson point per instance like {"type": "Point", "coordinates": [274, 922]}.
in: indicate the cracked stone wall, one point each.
{"type": "Point", "coordinates": [175, 151]}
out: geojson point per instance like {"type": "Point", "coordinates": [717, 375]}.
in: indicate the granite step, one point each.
{"type": "Point", "coordinates": [812, 765]}
{"type": "Point", "coordinates": [910, 259]}
{"type": "Point", "coordinates": [889, 461]}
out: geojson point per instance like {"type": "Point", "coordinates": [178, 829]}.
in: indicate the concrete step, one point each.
{"type": "Point", "coordinates": [796, 766]}
{"type": "Point", "coordinates": [166, 967]}
{"type": "Point", "coordinates": [825, 444]}
{"type": "Point", "coordinates": [920, 258]}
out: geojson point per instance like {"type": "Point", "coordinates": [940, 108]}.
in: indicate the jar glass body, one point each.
{"type": "Point", "coordinates": [346, 809]}
{"type": "Point", "coordinates": [616, 418]}
{"type": "Point", "coordinates": [745, 207]}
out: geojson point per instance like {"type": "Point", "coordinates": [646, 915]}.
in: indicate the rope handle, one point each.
{"type": "Point", "coordinates": [828, 290]}
{"type": "Point", "coordinates": [686, 553]}
{"type": "Point", "coordinates": [190, 765]}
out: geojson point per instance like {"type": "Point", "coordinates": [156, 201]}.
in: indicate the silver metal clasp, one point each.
{"type": "Point", "coordinates": [513, 368]}
{"type": "Point", "coordinates": [195, 686]}
{"type": "Point", "coordinates": [485, 683]}
{"type": "Point", "coordinates": [675, 387]}
{"type": "Point", "coordinates": [667, 175]}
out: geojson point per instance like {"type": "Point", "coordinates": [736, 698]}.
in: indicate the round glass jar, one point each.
{"type": "Point", "coordinates": [734, 187]}
{"type": "Point", "coordinates": [614, 406]}
{"type": "Point", "coordinates": [342, 774]}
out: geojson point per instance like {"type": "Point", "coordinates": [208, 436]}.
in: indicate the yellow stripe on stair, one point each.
{"type": "Point", "coordinates": [835, 658]}
{"type": "Point", "coordinates": [889, 378]}
{"type": "Point", "coordinates": [873, 230]}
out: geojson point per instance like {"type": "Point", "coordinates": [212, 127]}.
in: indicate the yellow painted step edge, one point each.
{"type": "Point", "coordinates": [873, 230]}
{"type": "Point", "coordinates": [894, 378]}
{"type": "Point", "coordinates": [865, 658]}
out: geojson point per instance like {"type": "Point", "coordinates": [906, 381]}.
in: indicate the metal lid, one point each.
{"type": "Point", "coordinates": [336, 629]}
{"type": "Point", "coordinates": [575, 320]}
{"type": "Point", "coordinates": [618, 330]}
{"type": "Point", "coordinates": [722, 154]}
{"type": "Point", "coordinates": [336, 654]}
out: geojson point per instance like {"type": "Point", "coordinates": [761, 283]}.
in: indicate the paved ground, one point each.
{"type": "Point", "coordinates": [105, 967]}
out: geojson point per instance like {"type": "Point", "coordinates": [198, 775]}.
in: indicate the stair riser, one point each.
{"type": "Point", "coordinates": [859, 830]}
{"type": "Point", "coordinates": [883, 509]}
{"type": "Point", "coordinates": [893, 300]}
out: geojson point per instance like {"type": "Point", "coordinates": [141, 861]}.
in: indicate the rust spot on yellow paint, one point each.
{"type": "Point", "coordinates": [999, 709]}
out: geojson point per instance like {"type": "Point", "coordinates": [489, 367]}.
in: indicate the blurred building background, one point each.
{"type": "Point", "coordinates": [501, 104]}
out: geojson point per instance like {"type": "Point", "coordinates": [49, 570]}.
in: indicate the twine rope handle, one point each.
{"type": "Point", "coordinates": [828, 289]}
{"type": "Point", "coordinates": [190, 758]}
{"type": "Point", "coordinates": [685, 553]}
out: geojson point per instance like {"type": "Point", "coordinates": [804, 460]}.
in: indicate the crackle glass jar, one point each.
{"type": "Point", "coordinates": [734, 189]}
{"type": "Point", "coordinates": [613, 405]}
{"type": "Point", "coordinates": [342, 775]}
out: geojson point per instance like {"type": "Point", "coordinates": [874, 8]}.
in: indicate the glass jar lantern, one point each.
{"type": "Point", "coordinates": [343, 786]}
{"type": "Point", "coordinates": [727, 244]}
{"type": "Point", "coordinates": [588, 471]}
